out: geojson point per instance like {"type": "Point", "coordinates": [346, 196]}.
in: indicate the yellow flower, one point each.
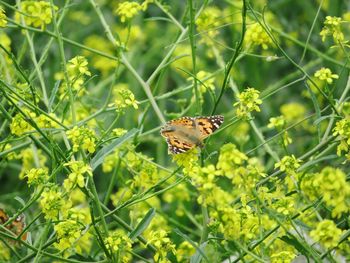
{"type": "Point", "coordinates": [332, 27]}
{"type": "Point", "coordinates": [68, 232]}
{"type": "Point", "coordinates": [83, 138]}
{"type": "Point", "coordinates": [326, 74]}
{"type": "Point", "coordinates": [52, 202]}
{"type": "Point", "coordinates": [256, 36]}
{"type": "Point", "coordinates": [37, 176]}
{"type": "Point", "coordinates": [127, 10]}
{"type": "Point", "coordinates": [38, 13]}
{"type": "Point", "coordinates": [327, 233]}
{"type": "Point", "coordinates": [248, 101]}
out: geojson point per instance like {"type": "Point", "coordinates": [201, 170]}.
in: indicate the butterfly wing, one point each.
{"type": "Point", "coordinates": [3, 217]}
{"type": "Point", "coordinates": [207, 125]}
{"type": "Point", "coordinates": [176, 133]}
{"type": "Point", "coordinates": [16, 226]}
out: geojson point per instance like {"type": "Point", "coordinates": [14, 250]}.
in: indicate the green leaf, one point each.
{"type": "Point", "coordinates": [296, 244]}
{"type": "Point", "coordinates": [142, 226]}
{"type": "Point", "coordinates": [199, 255]}
{"type": "Point", "coordinates": [101, 154]}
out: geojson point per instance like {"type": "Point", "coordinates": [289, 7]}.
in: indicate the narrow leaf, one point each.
{"type": "Point", "coordinates": [53, 94]}
{"type": "Point", "coordinates": [142, 226]}
{"type": "Point", "coordinates": [101, 154]}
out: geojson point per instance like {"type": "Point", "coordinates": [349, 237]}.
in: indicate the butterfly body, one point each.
{"type": "Point", "coordinates": [186, 133]}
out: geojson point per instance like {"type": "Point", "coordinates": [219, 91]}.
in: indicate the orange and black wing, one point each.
{"type": "Point", "coordinates": [207, 125]}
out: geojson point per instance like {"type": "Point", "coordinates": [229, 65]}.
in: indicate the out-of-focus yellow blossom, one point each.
{"type": "Point", "coordinates": [207, 23]}
{"type": "Point", "coordinates": [124, 98]}
{"type": "Point", "coordinates": [248, 101]}
{"type": "Point", "coordinates": [36, 13]}
{"type": "Point", "coordinates": [327, 233]}
{"type": "Point", "coordinates": [293, 112]}
{"type": "Point", "coordinates": [5, 253]}
{"type": "Point", "coordinates": [83, 138]}
{"type": "Point", "coordinates": [52, 202]}
{"type": "Point", "coordinates": [256, 36]}
{"type": "Point", "coordinates": [37, 176]}
{"type": "Point", "coordinates": [9, 156]}
{"type": "Point", "coordinates": [68, 232]}
{"type": "Point", "coordinates": [103, 64]}
{"type": "Point", "coordinates": [123, 194]}
{"type": "Point", "coordinates": [331, 185]}
{"type": "Point", "coordinates": [332, 27]}
{"type": "Point", "coordinates": [20, 125]}
{"type": "Point", "coordinates": [118, 132]}
{"type": "Point", "coordinates": [127, 10]}
{"type": "Point", "coordinates": [31, 158]}
{"type": "Point", "coordinates": [183, 61]}
{"type": "Point", "coordinates": [76, 177]}
{"type": "Point", "coordinates": [342, 130]}
{"type": "Point", "coordinates": [160, 240]}
{"type": "Point", "coordinates": [119, 242]}
{"type": "Point", "coordinates": [229, 159]}
{"type": "Point", "coordinates": [178, 195]}
{"type": "Point", "coordinates": [279, 123]}
{"type": "Point", "coordinates": [288, 164]}
{"type": "Point", "coordinates": [80, 16]}
{"type": "Point", "coordinates": [205, 81]}
{"type": "Point", "coordinates": [3, 18]}
{"type": "Point", "coordinates": [326, 74]}
{"type": "Point", "coordinates": [185, 251]}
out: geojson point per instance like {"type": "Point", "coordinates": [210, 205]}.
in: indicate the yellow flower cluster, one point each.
{"type": "Point", "coordinates": [52, 202]}
{"type": "Point", "coordinates": [20, 125]}
{"type": "Point", "coordinates": [332, 27]}
{"type": "Point", "coordinates": [330, 184]}
{"type": "Point", "coordinates": [82, 138]}
{"type": "Point", "coordinates": [207, 24]}
{"type": "Point", "coordinates": [76, 177]}
{"type": "Point", "coordinates": [77, 70]}
{"type": "Point", "coordinates": [68, 232]}
{"type": "Point", "coordinates": [256, 36]}
{"type": "Point", "coordinates": [119, 243]}
{"type": "Point", "coordinates": [326, 74]}
{"type": "Point", "coordinates": [37, 13]}
{"type": "Point", "coordinates": [31, 159]}
{"type": "Point", "coordinates": [342, 130]}
{"type": "Point", "coordinates": [127, 10]}
{"type": "Point", "coordinates": [124, 98]}
{"type": "Point", "coordinates": [37, 176]}
{"type": "Point", "coordinates": [327, 233]}
{"type": "Point", "coordinates": [163, 244]}
{"type": "Point", "coordinates": [288, 164]}
{"type": "Point", "coordinates": [248, 101]}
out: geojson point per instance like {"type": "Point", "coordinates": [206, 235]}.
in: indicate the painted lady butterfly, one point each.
{"type": "Point", "coordinates": [186, 133]}
{"type": "Point", "coordinates": [16, 226]}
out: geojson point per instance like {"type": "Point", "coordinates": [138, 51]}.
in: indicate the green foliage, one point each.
{"type": "Point", "coordinates": [85, 87]}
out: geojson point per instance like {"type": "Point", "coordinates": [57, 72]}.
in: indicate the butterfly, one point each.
{"type": "Point", "coordinates": [16, 226]}
{"type": "Point", "coordinates": [186, 133]}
